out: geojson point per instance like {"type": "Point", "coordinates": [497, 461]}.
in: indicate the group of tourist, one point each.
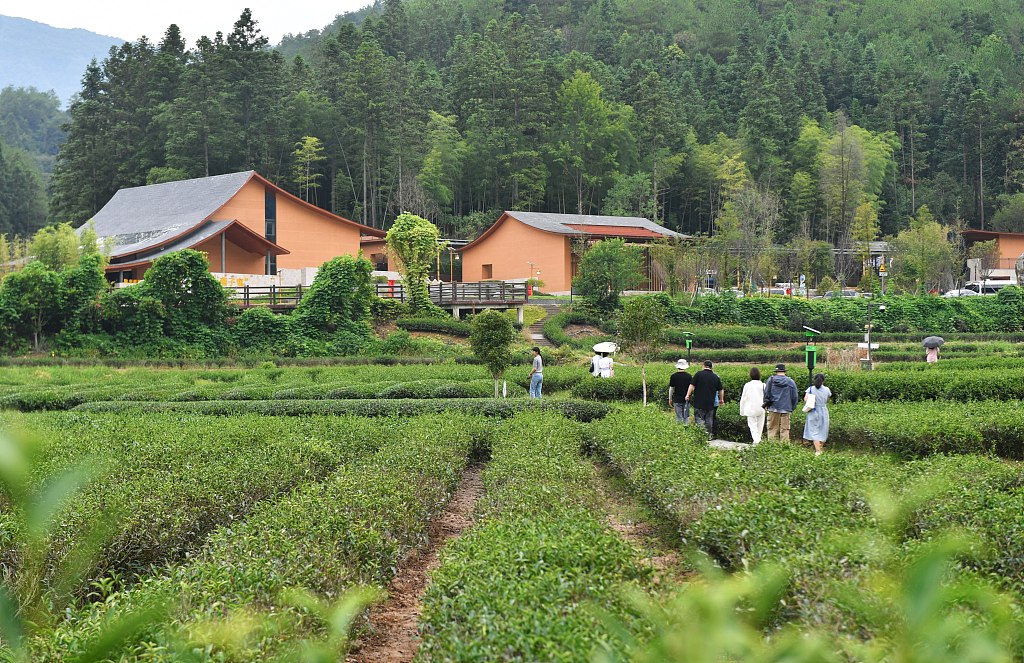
{"type": "Point", "coordinates": [773, 400]}
{"type": "Point", "coordinates": [702, 393]}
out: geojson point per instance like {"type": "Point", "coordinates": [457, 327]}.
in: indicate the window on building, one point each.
{"type": "Point", "coordinates": [488, 271]}
{"type": "Point", "coordinates": [270, 207]}
{"type": "Point", "coordinates": [271, 264]}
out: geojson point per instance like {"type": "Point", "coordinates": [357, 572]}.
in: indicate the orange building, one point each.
{"type": "Point", "coordinates": [243, 222]}
{"type": "Point", "coordinates": [524, 245]}
{"type": "Point", "coordinates": [1011, 247]}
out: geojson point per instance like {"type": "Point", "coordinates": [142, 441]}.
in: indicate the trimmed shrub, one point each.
{"type": "Point", "coordinates": [447, 325]}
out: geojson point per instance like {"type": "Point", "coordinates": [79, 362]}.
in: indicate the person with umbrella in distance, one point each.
{"type": "Point", "coordinates": [931, 348]}
{"type": "Point", "coordinates": [605, 364]}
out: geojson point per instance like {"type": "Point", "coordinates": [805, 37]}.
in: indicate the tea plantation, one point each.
{"type": "Point", "coordinates": [253, 514]}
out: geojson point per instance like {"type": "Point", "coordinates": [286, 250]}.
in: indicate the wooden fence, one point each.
{"type": "Point", "coordinates": [484, 293]}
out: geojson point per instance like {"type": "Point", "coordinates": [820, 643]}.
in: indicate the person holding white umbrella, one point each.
{"type": "Point", "coordinates": [605, 365]}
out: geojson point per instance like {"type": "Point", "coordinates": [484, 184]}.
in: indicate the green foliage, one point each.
{"type": "Point", "coordinates": [192, 299]}
{"type": "Point", "coordinates": [338, 301]}
{"type": "Point", "coordinates": [352, 528]}
{"type": "Point", "coordinates": [260, 329]}
{"type": "Point", "coordinates": [606, 269]}
{"type": "Point", "coordinates": [581, 410]}
{"type": "Point", "coordinates": [491, 339]}
{"type": "Point", "coordinates": [642, 332]}
{"type": "Point", "coordinates": [413, 241]}
{"type": "Point", "coordinates": [448, 325]}
{"type": "Point", "coordinates": [537, 555]}
{"type": "Point", "coordinates": [34, 296]}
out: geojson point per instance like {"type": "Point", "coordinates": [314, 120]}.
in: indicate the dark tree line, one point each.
{"type": "Point", "coordinates": [454, 109]}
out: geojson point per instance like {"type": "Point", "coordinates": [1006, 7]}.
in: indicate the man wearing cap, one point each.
{"type": "Point", "coordinates": [780, 398]}
{"type": "Point", "coordinates": [703, 388]}
{"type": "Point", "coordinates": [678, 385]}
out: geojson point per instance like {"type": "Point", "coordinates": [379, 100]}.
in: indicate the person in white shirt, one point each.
{"type": "Point", "coordinates": [604, 366]}
{"type": "Point", "coordinates": [595, 361]}
{"type": "Point", "coordinates": [536, 374]}
{"type": "Point", "coordinates": [752, 405]}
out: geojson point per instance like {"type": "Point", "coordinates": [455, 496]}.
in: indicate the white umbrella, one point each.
{"type": "Point", "coordinates": [606, 346]}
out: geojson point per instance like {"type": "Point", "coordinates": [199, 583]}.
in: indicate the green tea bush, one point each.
{"type": "Point", "coordinates": [515, 585]}
{"type": "Point", "coordinates": [490, 407]}
{"type": "Point", "coordinates": [779, 504]}
{"type": "Point", "coordinates": [353, 528]}
{"type": "Point", "coordinates": [172, 479]}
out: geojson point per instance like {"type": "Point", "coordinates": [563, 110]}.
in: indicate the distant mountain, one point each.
{"type": "Point", "coordinates": [48, 58]}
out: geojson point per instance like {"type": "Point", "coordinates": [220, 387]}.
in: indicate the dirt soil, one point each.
{"type": "Point", "coordinates": [583, 330]}
{"type": "Point", "coordinates": [394, 636]}
{"type": "Point", "coordinates": [637, 525]}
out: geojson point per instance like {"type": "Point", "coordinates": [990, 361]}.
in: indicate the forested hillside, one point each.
{"type": "Point", "coordinates": [820, 120]}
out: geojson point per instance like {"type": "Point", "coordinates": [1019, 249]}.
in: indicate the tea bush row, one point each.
{"type": "Point", "coordinates": [516, 585]}
{"type": "Point", "coordinates": [446, 325]}
{"type": "Point", "coordinates": [166, 481]}
{"type": "Point", "coordinates": [353, 528]}
{"type": "Point", "coordinates": [489, 407]}
{"type": "Point", "coordinates": [911, 430]}
{"type": "Point", "coordinates": [780, 504]}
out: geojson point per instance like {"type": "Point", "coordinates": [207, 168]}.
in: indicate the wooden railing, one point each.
{"type": "Point", "coordinates": [274, 296]}
{"type": "Point", "coordinates": [443, 294]}
{"type": "Point", "coordinates": [462, 294]}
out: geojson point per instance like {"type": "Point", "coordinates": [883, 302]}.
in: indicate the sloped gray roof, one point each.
{"type": "Point", "coordinates": [207, 231]}
{"type": "Point", "coordinates": [558, 223]}
{"type": "Point", "coordinates": [145, 216]}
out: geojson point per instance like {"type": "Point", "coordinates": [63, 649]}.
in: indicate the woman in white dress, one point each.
{"type": "Point", "coordinates": [752, 405]}
{"type": "Point", "coordinates": [604, 366]}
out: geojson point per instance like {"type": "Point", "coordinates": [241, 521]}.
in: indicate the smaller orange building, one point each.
{"type": "Point", "coordinates": [242, 221]}
{"type": "Point", "coordinates": [1011, 247]}
{"type": "Point", "coordinates": [525, 245]}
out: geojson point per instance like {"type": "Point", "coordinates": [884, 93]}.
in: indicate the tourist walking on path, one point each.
{"type": "Point", "coordinates": [816, 424]}
{"type": "Point", "coordinates": [701, 395]}
{"type": "Point", "coordinates": [780, 398]}
{"type": "Point", "coordinates": [595, 364]}
{"type": "Point", "coordinates": [536, 374]}
{"type": "Point", "coordinates": [678, 385]}
{"type": "Point", "coordinates": [931, 355]}
{"type": "Point", "coordinates": [752, 405]}
{"type": "Point", "coordinates": [605, 366]}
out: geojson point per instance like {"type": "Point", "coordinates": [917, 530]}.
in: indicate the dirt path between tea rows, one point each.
{"type": "Point", "coordinates": [634, 522]}
{"type": "Point", "coordinates": [394, 638]}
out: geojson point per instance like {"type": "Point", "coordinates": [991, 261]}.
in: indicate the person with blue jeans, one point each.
{"type": "Point", "coordinates": [536, 374]}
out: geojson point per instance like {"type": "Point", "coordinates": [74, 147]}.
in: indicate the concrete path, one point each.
{"type": "Point", "coordinates": [729, 446]}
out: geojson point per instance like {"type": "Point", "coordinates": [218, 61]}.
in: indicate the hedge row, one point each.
{"type": "Point", "coordinates": [354, 528]}
{"type": "Point", "coordinates": [911, 430]}
{"type": "Point", "coordinates": [447, 325]}
{"type": "Point", "coordinates": [489, 407]}
{"type": "Point", "coordinates": [516, 586]}
{"type": "Point", "coordinates": [780, 504]}
{"type": "Point", "coordinates": [996, 384]}
{"type": "Point", "coordinates": [167, 481]}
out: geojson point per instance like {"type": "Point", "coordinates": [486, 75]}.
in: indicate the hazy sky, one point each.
{"type": "Point", "coordinates": [130, 21]}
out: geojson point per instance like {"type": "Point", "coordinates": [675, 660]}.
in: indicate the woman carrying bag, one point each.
{"type": "Point", "coordinates": [752, 405]}
{"type": "Point", "coordinates": [816, 407]}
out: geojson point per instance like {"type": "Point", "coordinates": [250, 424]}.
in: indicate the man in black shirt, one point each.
{"type": "Point", "coordinates": [703, 388]}
{"type": "Point", "coordinates": [678, 385]}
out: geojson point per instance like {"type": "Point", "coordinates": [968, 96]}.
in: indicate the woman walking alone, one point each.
{"type": "Point", "coordinates": [816, 424]}
{"type": "Point", "coordinates": [752, 405]}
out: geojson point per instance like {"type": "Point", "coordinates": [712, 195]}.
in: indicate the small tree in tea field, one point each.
{"type": "Point", "coordinates": [413, 241]}
{"type": "Point", "coordinates": [491, 340]}
{"type": "Point", "coordinates": [608, 268]}
{"type": "Point", "coordinates": [642, 332]}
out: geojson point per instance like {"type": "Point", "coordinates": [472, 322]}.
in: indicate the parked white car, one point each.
{"type": "Point", "coordinates": [962, 292]}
